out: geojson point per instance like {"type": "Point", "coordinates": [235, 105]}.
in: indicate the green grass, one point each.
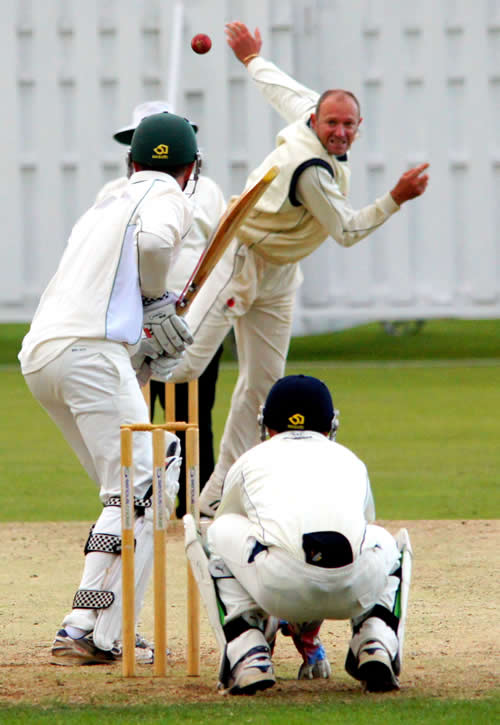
{"type": "Point", "coordinates": [428, 432]}
{"type": "Point", "coordinates": [329, 710]}
{"type": "Point", "coordinates": [436, 340]}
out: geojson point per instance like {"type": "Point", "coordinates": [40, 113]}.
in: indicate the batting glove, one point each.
{"type": "Point", "coordinates": [162, 322]}
{"type": "Point", "coordinates": [143, 374]}
{"type": "Point", "coordinates": [163, 366]}
{"type": "Point", "coordinates": [148, 349]}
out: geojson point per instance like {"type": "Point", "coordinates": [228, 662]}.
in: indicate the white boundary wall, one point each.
{"type": "Point", "coordinates": [428, 78]}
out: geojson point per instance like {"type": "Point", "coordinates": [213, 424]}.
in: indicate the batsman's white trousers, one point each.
{"type": "Point", "coordinates": [89, 390]}
{"type": "Point", "coordinates": [280, 585]}
{"type": "Point", "coordinates": [256, 298]}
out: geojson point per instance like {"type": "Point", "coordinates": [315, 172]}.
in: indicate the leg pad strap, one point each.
{"type": "Point", "coordinates": [93, 599]}
{"type": "Point", "coordinates": [382, 613]}
{"type": "Point", "coordinates": [104, 543]}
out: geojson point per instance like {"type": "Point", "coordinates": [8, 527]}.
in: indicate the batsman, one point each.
{"type": "Point", "coordinates": [293, 543]}
{"type": "Point", "coordinates": [85, 351]}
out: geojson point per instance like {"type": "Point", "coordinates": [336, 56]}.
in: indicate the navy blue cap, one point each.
{"type": "Point", "coordinates": [299, 402]}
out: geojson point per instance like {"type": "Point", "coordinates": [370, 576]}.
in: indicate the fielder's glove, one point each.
{"type": "Point", "coordinates": [162, 322]}
{"type": "Point", "coordinates": [306, 639]}
{"type": "Point", "coordinates": [320, 670]}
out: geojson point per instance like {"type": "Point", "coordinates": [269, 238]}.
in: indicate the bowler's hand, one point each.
{"type": "Point", "coordinates": [241, 40]}
{"type": "Point", "coordinates": [412, 183]}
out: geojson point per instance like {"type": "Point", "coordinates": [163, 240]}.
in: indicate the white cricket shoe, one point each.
{"type": "Point", "coordinates": [254, 670]}
{"type": "Point", "coordinates": [144, 650]}
{"type": "Point", "coordinates": [375, 668]}
{"type": "Point", "coordinates": [82, 651]}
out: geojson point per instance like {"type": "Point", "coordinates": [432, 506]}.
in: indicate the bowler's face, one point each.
{"type": "Point", "coordinates": [337, 123]}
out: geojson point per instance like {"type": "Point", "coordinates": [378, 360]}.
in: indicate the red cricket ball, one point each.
{"type": "Point", "coordinates": [201, 43]}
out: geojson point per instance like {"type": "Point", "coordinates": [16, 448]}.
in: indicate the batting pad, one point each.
{"type": "Point", "coordinates": [108, 627]}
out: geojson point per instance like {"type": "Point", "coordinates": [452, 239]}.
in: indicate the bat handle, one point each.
{"type": "Point", "coordinates": [183, 300]}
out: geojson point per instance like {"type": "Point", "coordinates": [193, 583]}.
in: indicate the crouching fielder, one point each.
{"type": "Point", "coordinates": [293, 543]}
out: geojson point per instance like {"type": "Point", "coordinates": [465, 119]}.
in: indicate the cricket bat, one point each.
{"type": "Point", "coordinates": [220, 238]}
{"type": "Point", "coordinates": [222, 235]}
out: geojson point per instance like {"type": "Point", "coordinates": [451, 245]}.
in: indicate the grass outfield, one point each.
{"type": "Point", "coordinates": [436, 340]}
{"type": "Point", "coordinates": [427, 427]}
{"type": "Point", "coordinates": [327, 711]}
{"type": "Point", "coordinates": [421, 410]}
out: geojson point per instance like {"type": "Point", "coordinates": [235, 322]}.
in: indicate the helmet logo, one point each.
{"type": "Point", "coordinates": [160, 151]}
{"type": "Point", "coordinates": [297, 420]}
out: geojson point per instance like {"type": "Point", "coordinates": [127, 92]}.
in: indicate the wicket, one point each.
{"type": "Point", "coordinates": [159, 534]}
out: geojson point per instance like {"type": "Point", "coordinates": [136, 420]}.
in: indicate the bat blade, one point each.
{"type": "Point", "coordinates": [222, 235]}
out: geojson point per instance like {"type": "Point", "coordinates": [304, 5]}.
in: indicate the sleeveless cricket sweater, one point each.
{"type": "Point", "coordinates": [279, 228]}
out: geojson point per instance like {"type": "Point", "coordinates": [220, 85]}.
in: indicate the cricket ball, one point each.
{"type": "Point", "coordinates": [201, 43]}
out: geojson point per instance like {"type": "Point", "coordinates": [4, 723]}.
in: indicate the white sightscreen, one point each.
{"type": "Point", "coordinates": [428, 78]}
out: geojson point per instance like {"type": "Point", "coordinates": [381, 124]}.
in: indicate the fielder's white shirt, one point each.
{"type": "Point", "coordinates": [300, 482]}
{"type": "Point", "coordinates": [97, 289]}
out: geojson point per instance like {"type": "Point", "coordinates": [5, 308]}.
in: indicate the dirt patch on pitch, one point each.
{"type": "Point", "coordinates": [450, 648]}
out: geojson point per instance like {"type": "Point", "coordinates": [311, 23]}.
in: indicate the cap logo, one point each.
{"type": "Point", "coordinates": [160, 151]}
{"type": "Point", "coordinates": [297, 420]}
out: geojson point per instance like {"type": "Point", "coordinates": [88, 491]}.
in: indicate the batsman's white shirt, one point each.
{"type": "Point", "coordinates": [96, 292]}
{"type": "Point", "coordinates": [208, 207]}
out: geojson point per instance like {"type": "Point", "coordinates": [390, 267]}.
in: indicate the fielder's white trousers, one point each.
{"type": "Point", "coordinates": [89, 390]}
{"type": "Point", "coordinates": [277, 584]}
{"type": "Point", "coordinates": [257, 299]}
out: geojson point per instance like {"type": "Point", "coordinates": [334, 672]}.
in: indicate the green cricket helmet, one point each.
{"type": "Point", "coordinates": [164, 140]}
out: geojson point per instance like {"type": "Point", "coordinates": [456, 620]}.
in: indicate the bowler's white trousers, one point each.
{"type": "Point", "coordinates": [256, 298]}
{"type": "Point", "coordinates": [89, 390]}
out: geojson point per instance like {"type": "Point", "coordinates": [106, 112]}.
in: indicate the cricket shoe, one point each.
{"type": "Point", "coordinates": [373, 668]}
{"type": "Point", "coordinates": [144, 650]}
{"type": "Point", "coordinates": [83, 651]}
{"type": "Point", "coordinates": [254, 670]}
{"type": "Point", "coordinates": [210, 498]}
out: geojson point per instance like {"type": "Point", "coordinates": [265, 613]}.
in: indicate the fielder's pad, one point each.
{"type": "Point", "coordinates": [401, 603]}
{"type": "Point", "coordinates": [201, 572]}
